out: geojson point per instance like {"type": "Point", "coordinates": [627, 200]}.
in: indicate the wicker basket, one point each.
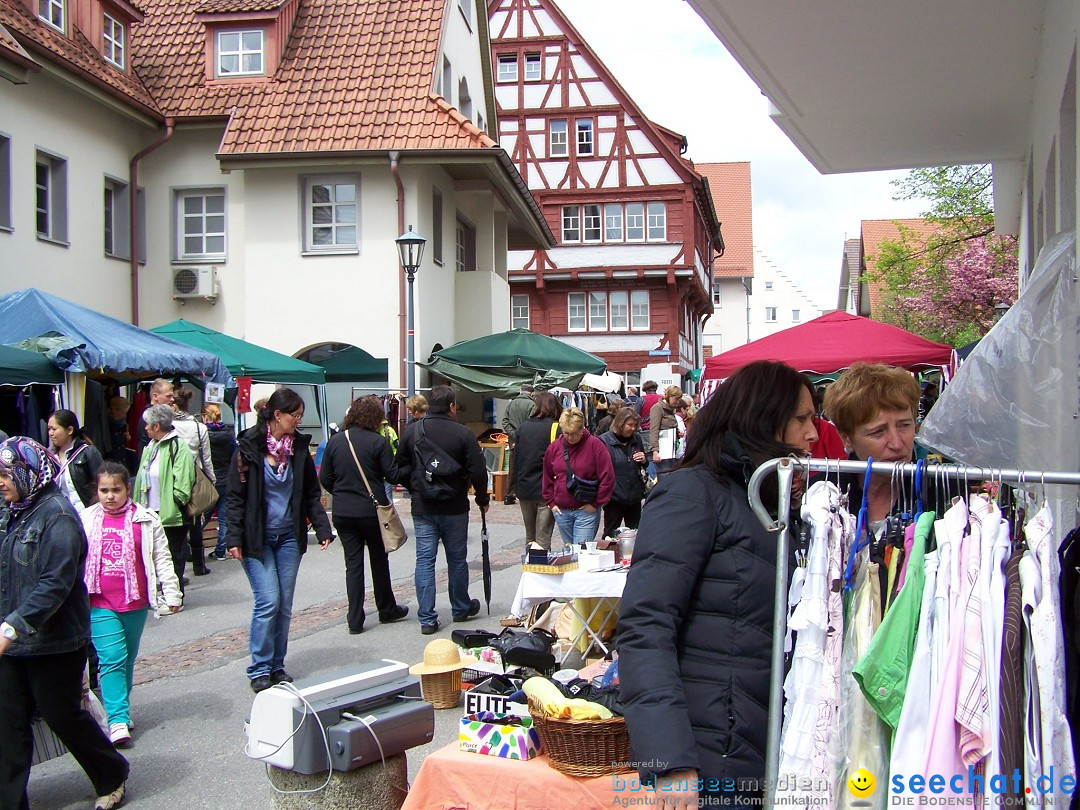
{"type": "Point", "coordinates": [443, 689]}
{"type": "Point", "coordinates": [536, 568]}
{"type": "Point", "coordinates": [583, 747]}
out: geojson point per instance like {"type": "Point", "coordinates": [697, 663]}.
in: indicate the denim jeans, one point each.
{"type": "Point", "coordinates": [116, 639]}
{"type": "Point", "coordinates": [219, 549]}
{"type": "Point", "coordinates": [273, 580]}
{"type": "Point", "coordinates": [454, 532]}
{"type": "Point", "coordinates": [578, 526]}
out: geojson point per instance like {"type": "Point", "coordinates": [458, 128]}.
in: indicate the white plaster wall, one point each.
{"type": "Point", "coordinates": [95, 141]}
{"type": "Point", "coordinates": [461, 45]}
{"type": "Point", "coordinates": [784, 295]}
{"type": "Point", "coordinates": [726, 329]}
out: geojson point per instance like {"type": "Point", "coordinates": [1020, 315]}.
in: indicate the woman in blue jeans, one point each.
{"type": "Point", "coordinates": [576, 504]}
{"type": "Point", "coordinates": [272, 493]}
{"type": "Point", "coordinates": [222, 446]}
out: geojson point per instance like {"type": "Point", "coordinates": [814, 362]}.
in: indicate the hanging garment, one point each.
{"type": "Point", "coordinates": [973, 697]}
{"type": "Point", "coordinates": [1069, 558]}
{"type": "Point", "coordinates": [812, 686]}
{"type": "Point", "coordinates": [1048, 729]}
{"type": "Point", "coordinates": [1011, 736]}
{"type": "Point", "coordinates": [882, 672]}
{"type": "Point", "coordinates": [997, 546]}
{"type": "Point", "coordinates": [948, 532]}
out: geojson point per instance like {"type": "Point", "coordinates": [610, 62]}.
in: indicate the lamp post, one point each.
{"type": "Point", "coordinates": [1000, 310]}
{"type": "Point", "coordinates": [410, 247]}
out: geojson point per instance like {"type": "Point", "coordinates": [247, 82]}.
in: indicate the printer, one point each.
{"type": "Point", "coordinates": [287, 733]}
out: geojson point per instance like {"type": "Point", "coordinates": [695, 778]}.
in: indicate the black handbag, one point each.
{"type": "Point", "coordinates": [471, 638]}
{"type": "Point", "coordinates": [521, 649]}
{"type": "Point", "coordinates": [582, 490]}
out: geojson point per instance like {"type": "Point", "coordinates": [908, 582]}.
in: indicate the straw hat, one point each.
{"type": "Point", "coordinates": [441, 655]}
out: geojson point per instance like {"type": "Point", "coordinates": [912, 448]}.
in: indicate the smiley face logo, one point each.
{"type": "Point", "coordinates": [862, 783]}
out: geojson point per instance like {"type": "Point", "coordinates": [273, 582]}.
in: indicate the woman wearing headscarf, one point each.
{"type": "Point", "coordinates": [45, 629]}
{"type": "Point", "coordinates": [79, 459]}
{"type": "Point", "coordinates": [273, 493]}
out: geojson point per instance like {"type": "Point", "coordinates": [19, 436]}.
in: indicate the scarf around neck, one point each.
{"type": "Point", "coordinates": [94, 523]}
{"type": "Point", "coordinates": [280, 450]}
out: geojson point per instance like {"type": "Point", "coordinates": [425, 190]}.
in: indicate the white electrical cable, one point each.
{"type": "Point", "coordinates": [382, 755]}
{"type": "Point", "coordinates": [288, 687]}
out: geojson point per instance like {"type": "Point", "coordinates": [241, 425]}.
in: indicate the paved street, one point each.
{"type": "Point", "coordinates": [191, 696]}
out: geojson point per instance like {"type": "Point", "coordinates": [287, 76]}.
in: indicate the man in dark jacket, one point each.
{"type": "Point", "coordinates": [519, 409]}
{"type": "Point", "coordinates": [437, 516]}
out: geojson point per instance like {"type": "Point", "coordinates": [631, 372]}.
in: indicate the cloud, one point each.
{"type": "Point", "coordinates": [682, 77]}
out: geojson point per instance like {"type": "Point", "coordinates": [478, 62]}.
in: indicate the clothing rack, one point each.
{"type": "Point", "coordinates": [785, 469]}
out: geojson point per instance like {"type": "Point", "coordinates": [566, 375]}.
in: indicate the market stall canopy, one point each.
{"type": "Point", "coordinates": [243, 359]}
{"type": "Point", "coordinates": [354, 365]}
{"type": "Point", "coordinates": [98, 344]}
{"type": "Point", "coordinates": [18, 367]}
{"type": "Point", "coordinates": [499, 364]}
{"type": "Point", "coordinates": [832, 343]}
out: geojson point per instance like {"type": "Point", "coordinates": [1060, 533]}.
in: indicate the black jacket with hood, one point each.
{"type": "Point", "coordinates": [629, 486]}
{"type": "Point", "coordinates": [246, 496]}
{"type": "Point", "coordinates": [695, 626]}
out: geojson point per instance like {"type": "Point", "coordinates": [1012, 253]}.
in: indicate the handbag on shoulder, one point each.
{"type": "Point", "coordinates": [391, 528]}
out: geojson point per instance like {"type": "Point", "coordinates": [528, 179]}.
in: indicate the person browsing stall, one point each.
{"type": "Point", "coordinates": [576, 502]}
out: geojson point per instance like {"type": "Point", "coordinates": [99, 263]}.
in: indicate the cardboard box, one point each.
{"type": "Point", "coordinates": [591, 560]}
{"type": "Point", "coordinates": [499, 735]}
{"type": "Point", "coordinates": [493, 704]}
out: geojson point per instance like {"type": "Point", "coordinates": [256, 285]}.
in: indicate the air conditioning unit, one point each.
{"type": "Point", "coordinates": [194, 282]}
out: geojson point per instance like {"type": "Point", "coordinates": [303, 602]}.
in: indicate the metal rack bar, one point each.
{"type": "Point", "coordinates": [785, 469]}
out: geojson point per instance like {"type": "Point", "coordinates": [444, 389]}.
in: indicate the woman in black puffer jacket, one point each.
{"type": "Point", "coordinates": [695, 622]}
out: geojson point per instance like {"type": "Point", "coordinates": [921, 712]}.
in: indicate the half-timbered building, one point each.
{"type": "Point", "coordinates": [630, 276]}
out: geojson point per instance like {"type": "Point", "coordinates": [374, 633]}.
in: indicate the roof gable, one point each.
{"type": "Point", "coordinates": [729, 185]}
{"type": "Point", "coordinates": [875, 231]}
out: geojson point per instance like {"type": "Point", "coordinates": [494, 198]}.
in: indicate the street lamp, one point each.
{"type": "Point", "coordinates": [1000, 310]}
{"type": "Point", "coordinates": [410, 247]}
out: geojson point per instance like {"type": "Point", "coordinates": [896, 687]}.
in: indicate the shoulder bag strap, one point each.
{"type": "Point", "coordinates": [554, 430]}
{"type": "Point", "coordinates": [361, 469]}
{"type": "Point", "coordinates": [566, 458]}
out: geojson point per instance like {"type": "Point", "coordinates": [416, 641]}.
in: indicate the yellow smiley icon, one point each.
{"type": "Point", "coordinates": [862, 783]}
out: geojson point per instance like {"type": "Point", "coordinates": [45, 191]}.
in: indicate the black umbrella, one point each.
{"type": "Point", "coordinates": [487, 560]}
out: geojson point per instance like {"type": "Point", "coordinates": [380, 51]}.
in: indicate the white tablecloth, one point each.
{"type": "Point", "coordinates": [535, 588]}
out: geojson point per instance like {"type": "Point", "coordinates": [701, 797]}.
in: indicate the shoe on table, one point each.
{"type": "Point", "coordinates": [119, 734]}
{"type": "Point", "coordinates": [114, 799]}
{"type": "Point", "coordinates": [261, 684]}
{"type": "Point", "coordinates": [474, 608]}
{"type": "Point", "coordinates": [396, 615]}
{"type": "Point", "coordinates": [281, 676]}
{"type": "Point", "coordinates": [429, 629]}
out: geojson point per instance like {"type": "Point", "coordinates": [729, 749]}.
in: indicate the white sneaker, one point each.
{"type": "Point", "coordinates": [119, 735]}
{"type": "Point", "coordinates": [165, 610]}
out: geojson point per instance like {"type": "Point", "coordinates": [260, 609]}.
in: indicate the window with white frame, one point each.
{"type": "Point", "coordinates": [557, 143]}
{"type": "Point", "coordinates": [5, 182]}
{"type": "Point", "coordinates": [447, 81]}
{"type": "Point", "coordinates": [635, 222]}
{"type": "Point", "coordinates": [508, 67]}
{"type": "Point", "coordinates": [584, 137]}
{"type": "Point", "coordinates": [113, 41]}
{"type": "Point", "coordinates": [519, 311]}
{"type": "Point", "coordinates": [331, 214]}
{"type": "Point", "coordinates": [465, 246]}
{"type": "Point", "coordinates": [50, 197]}
{"type": "Point", "coordinates": [571, 223]}
{"type": "Point", "coordinates": [770, 314]}
{"type": "Point", "coordinates": [200, 223]}
{"type": "Point", "coordinates": [598, 312]}
{"type": "Point", "coordinates": [619, 309]}
{"type": "Point", "coordinates": [114, 194]}
{"type": "Point", "coordinates": [52, 12]}
{"type": "Point", "coordinates": [657, 221]}
{"type": "Point", "coordinates": [534, 69]}
{"type": "Point", "coordinates": [590, 223]}
{"type": "Point", "coordinates": [639, 310]}
{"type": "Point", "coordinates": [613, 219]}
{"type": "Point", "coordinates": [795, 315]}
{"type": "Point", "coordinates": [716, 293]}
{"type": "Point", "coordinates": [436, 226]}
{"type": "Point", "coordinates": [575, 314]}
{"type": "Point", "coordinates": [241, 53]}
{"type": "Point", "coordinates": [768, 285]}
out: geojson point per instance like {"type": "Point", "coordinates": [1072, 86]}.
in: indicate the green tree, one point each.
{"type": "Point", "coordinates": [941, 281]}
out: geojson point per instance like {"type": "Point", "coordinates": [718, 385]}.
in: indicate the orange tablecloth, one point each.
{"type": "Point", "coordinates": [450, 779]}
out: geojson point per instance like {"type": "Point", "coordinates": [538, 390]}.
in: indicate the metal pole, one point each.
{"type": "Point", "coordinates": [411, 358]}
{"type": "Point", "coordinates": [776, 675]}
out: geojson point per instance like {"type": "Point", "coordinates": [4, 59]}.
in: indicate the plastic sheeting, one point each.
{"type": "Point", "coordinates": [1014, 402]}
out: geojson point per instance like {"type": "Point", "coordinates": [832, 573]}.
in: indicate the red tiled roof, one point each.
{"type": "Point", "coordinates": [876, 231]}
{"type": "Point", "coordinates": [355, 75]}
{"type": "Point", "coordinates": [10, 47]}
{"type": "Point", "coordinates": [729, 184]}
{"type": "Point", "coordinates": [74, 52]}
{"type": "Point", "coordinates": [237, 6]}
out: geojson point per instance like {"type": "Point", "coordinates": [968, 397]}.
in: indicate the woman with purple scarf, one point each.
{"type": "Point", "coordinates": [128, 558]}
{"type": "Point", "coordinates": [45, 628]}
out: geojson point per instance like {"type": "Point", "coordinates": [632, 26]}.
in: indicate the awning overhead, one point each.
{"type": "Point", "coordinates": [18, 367]}
{"type": "Point", "coordinates": [354, 365]}
{"type": "Point", "coordinates": [97, 344]}
{"type": "Point", "coordinates": [243, 359]}
{"type": "Point", "coordinates": [499, 364]}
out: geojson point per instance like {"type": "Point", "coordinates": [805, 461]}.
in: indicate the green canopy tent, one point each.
{"type": "Point", "coordinates": [499, 364]}
{"type": "Point", "coordinates": [18, 367]}
{"type": "Point", "coordinates": [353, 365]}
{"type": "Point", "coordinates": [245, 359]}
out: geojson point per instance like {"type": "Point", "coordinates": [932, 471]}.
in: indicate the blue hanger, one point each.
{"type": "Point", "coordinates": [920, 468]}
{"type": "Point", "coordinates": [863, 525]}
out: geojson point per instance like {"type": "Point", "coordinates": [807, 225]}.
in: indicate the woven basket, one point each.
{"type": "Point", "coordinates": [443, 689]}
{"type": "Point", "coordinates": [583, 747]}
{"type": "Point", "coordinates": [536, 568]}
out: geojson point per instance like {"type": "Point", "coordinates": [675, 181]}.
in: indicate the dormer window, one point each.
{"type": "Point", "coordinates": [241, 53]}
{"type": "Point", "coordinates": [113, 39]}
{"type": "Point", "coordinates": [52, 12]}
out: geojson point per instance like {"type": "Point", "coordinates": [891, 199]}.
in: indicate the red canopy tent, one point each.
{"type": "Point", "coordinates": [831, 343]}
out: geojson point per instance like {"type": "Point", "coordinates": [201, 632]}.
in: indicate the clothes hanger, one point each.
{"type": "Point", "coordinates": [861, 526]}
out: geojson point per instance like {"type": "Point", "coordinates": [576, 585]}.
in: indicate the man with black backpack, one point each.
{"type": "Point", "coordinates": [439, 458]}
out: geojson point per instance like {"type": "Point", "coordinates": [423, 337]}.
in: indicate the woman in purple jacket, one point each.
{"type": "Point", "coordinates": [578, 479]}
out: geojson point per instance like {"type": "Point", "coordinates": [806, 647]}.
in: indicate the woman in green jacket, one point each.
{"type": "Point", "coordinates": [164, 480]}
